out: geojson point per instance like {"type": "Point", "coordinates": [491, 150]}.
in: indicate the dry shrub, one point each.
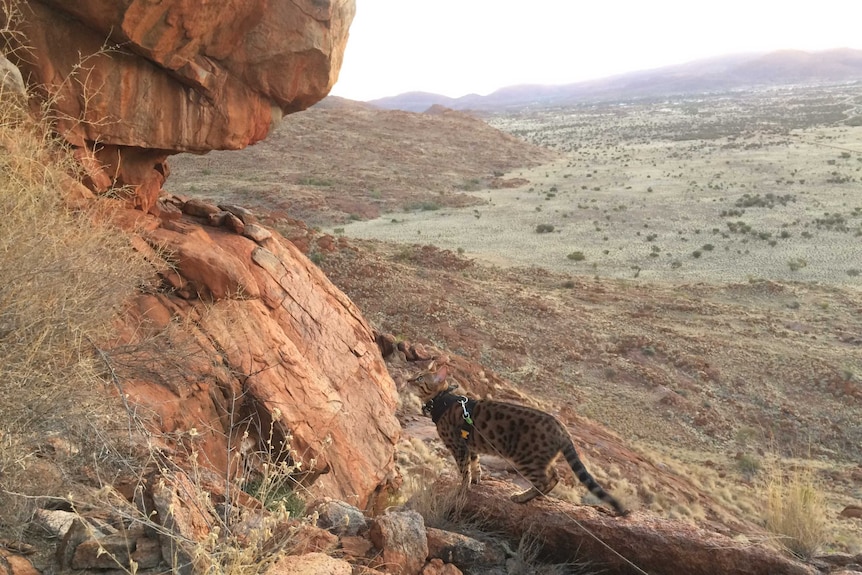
{"type": "Point", "coordinates": [796, 511]}
{"type": "Point", "coordinates": [440, 502]}
{"type": "Point", "coordinates": [234, 539]}
{"type": "Point", "coordinates": [65, 275]}
{"type": "Point", "coordinates": [243, 539]}
{"type": "Point", "coordinates": [527, 559]}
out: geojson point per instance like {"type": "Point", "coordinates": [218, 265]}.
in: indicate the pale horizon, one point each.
{"type": "Point", "coordinates": [454, 48]}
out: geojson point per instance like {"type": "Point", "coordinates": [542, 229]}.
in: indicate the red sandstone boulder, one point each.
{"type": "Point", "coordinates": [12, 564]}
{"type": "Point", "coordinates": [437, 567]}
{"type": "Point", "coordinates": [249, 354]}
{"type": "Point", "coordinates": [401, 538]}
{"type": "Point", "coordinates": [133, 82]}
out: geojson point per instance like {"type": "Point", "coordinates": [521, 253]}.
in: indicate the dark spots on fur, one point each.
{"type": "Point", "coordinates": [510, 442]}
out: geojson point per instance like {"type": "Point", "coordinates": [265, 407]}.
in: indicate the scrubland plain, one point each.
{"type": "Point", "coordinates": [750, 185]}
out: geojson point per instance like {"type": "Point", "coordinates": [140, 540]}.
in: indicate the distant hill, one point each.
{"type": "Point", "coordinates": [711, 75]}
{"type": "Point", "coordinates": [342, 160]}
{"type": "Point", "coordinates": [339, 103]}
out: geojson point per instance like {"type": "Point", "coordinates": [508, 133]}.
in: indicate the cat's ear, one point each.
{"type": "Point", "coordinates": [441, 374]}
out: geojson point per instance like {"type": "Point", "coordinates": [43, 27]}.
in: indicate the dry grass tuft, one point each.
{"type": "Point", "coordinates": [796, 511]}
{"type": "Point", "coordinates": [527, 559]}
{"type": "Point", "coordinates": [439, 502]}
{"type": "Point", "coordinates": [65, 276]}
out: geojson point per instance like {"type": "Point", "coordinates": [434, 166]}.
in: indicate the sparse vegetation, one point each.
{"type": "Point", "coordinates": [65, 275]}
{"type": "Point", "coordinates": [796, 511]}
{"type": "Point", "coordinates": [768, 200]}
{"type": "Point", "coordinates": [424, 206]}
{"type": "Point", "coordinates": [317, 257]}
{"type": "Point", "coordinates": [749, 465]}
{"type": "Point", "coordinates": [313, 181]}
{"type": "Point", "coordinates": [796, 264]}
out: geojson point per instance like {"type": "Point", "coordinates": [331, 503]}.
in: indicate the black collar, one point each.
{"type": "Point", "coordinates": [441, 403]}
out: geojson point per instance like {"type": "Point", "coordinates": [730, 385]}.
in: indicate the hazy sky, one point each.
{"type": "Point", "coordinates": [455, 47]}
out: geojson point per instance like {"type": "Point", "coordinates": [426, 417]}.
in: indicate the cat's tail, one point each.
{"type": "Point", "coordinates": [571, 455]}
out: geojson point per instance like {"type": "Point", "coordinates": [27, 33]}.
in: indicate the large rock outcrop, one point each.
{"type": "Point", "coordinates": [132, 82]}
{"type": "Point", "coordinates": [249, 355]}
{"type": "Point", "coordinates": [243, 353]}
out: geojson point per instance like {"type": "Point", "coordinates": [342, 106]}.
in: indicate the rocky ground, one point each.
{"type": "Point", "coordinates": [693, 381]}
{"type": "Point", "coordinates": [685, 397]}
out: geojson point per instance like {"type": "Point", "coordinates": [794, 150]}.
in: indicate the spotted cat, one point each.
{"type": "Point", "coordinates": [530, 439]}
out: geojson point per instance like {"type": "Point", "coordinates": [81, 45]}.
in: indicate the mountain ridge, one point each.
{"type": "Point", "coordinates": [731, 72]}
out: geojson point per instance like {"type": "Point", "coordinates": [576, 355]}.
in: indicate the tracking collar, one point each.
{"type": "Point", "coordinates": [441, 403]}
{"type": "Point", "coordinates": [437, 405]}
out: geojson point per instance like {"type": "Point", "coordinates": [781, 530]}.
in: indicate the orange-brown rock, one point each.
{"type": "Point", "coordinates": [401, 538]}
{"type": "Point", "coordinates": [248, 353]}
{"type": "Point", "coordinates": [635, 544]}
{"type": "Point", "coordinates": [13, 564]}
{"type": "Point", "coordinates": [117, 551]}
{"type": "Point", "coordinates": [463, 551]}
{"type": "Point", "coordinates": [136, 81]}
{"type": "Point", "coordinates": [437, 567]}
{"type": "Point", "coordinates": [176, 500]}
{"type": "Point", "coordinates": [318, 563]}
{"type": "Point", "coordinates": [355, 546]}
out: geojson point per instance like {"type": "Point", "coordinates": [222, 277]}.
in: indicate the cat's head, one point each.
{"type": "Point", "coordinates": [431, 382]}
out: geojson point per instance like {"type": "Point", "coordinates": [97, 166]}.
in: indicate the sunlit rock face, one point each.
{"type": "Point", "coordinates": [135, 81]}
{"type": "Point", "coordinates": [243, 350]}
{"type": "Point", "coordinates": [248, 353]}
